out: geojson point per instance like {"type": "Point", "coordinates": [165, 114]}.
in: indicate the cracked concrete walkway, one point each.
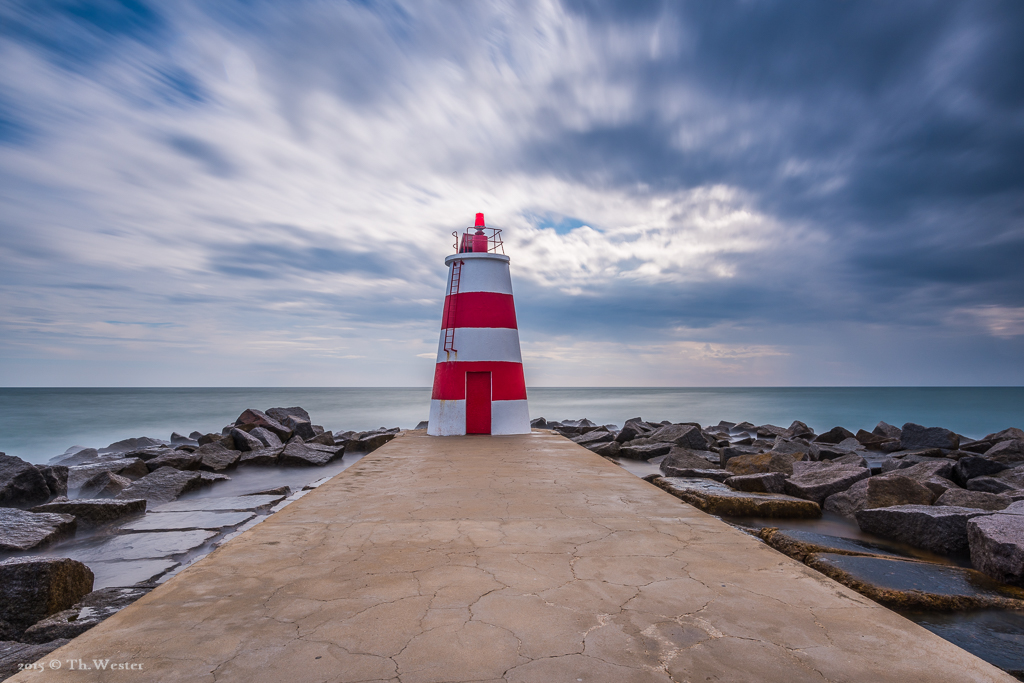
{"type": "Point", "coordinates": [515, 558]}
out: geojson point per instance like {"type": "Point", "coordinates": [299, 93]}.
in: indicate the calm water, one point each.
{"type": "Point", "coordinates": [37, 424]}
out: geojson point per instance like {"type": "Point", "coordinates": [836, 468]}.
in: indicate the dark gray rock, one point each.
{"type": "Point", "coordinates": [177, 438]}
{"type": "Point", "coordinates": [21, 530]}
{"type": "Point", "coordinates": [322, 439]}
{"type": "Point", "coordinates": [104, 485]}
{"type": "Point", "coordinates": [765, 482]}
{"type": "Point", "coordinates": [280, 414]}
{"type": "Point", "coordinates": [56, 477]}
{"type": "Point", "coordinates": [33, 588]}
{"type": "Point", "coordinates": [179, 460]}
{"type": "Point", "coordinates": [217, 438]}
{"type": "Point", "coordinates": [148, 454]}
{"type": "Point", "coordinates": [14, 655]}
{"type": "Point", "coordinates": [974, 499]}
{"type": "Point", "coordinates": [729, 452]}
{"type": "Point", "coordinates": [887, 430]}
{"type": "Point", "coordinates": [22, 485]}
{"type": "Point", "coordinates": [244, 441]}
{"type": "Point", "coordinates": [915, 436]}
{"type": "Point", "coordinates": [768, 431]}
{"type": "Point", "coordinates": [76, 455]}
{"type": "Point", "coordinates": [264, 456]}
{"type": "Point", "coordinates": [978, 447]}
{"type": "Point", "coordinates": [879, 492]}
{"type": "Point", "coordinates": [874, 442]}
{"type": "Point", "coordinates": [1011, 434]}
{"type": "Point", "coordinates": [268, 438]}
{"type": "Point", "coordinates": [608, 450]}
{"type": "Point", "coordinates": [594, 437]}
{"type": "Point", "coordinates": [95, 512]}
{"type": "Point", "coordinates": [261, 419]}
{"type": "Point", "coordinates": [997, 546]}
{"type": "Point", "coordinates": [684, 435]}
{"type": "Point", "coordinates": [820, 484]}
{"type": "Point", "coordinates": [797, 445]}
{"type": "Point", "coordinates": [1010, 452]}
{"type": "Point", "coordinates": [210, 478]}
{"type": "Point", "coordinates": [297, 454]}
{"type": "Point", "coordinates": [834, 435]}
{"type": "Point", "coordinates": [633, 428]}
{"type": "Point", "coordinates": [215, 457]}
{"type": "Point", "coordinates": [798, 430]}
{"type": "Point", "coordinates": [701, 473]}
{"type": "Point", "coordinates": [972, 466]}
{"type": "Point", "coordinates": [644, 451]}
{"type": "Point", "coordinates": [162, 486]}
{"type": "Point", "coordinates": [300, 427]}
{"type": "Point", "coordinates": [423, 424]}
{"type": "Point", "coordinates": [132, 468]}
{"type": "Point", "coordinates": [680, 460]}
{"type": "Point", "coordinates": [990, 485]}
{"type": "Point", "coordinates": [132, 444]}
{"type": "Point", "coordinates": [941, 529]}
{"type": "Point", "coordinates": [539, 423]}
{"type": "Point", "coordinates": [370, 441]}
{"type": "Point", "coordinates": [83, 615]}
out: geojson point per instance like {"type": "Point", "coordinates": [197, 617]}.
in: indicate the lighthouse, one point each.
{"type": "Point", "coordinates": [479, 387]}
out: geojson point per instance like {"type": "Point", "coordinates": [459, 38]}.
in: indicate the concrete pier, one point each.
{"type": "Point", "coordinates": [509, 558]}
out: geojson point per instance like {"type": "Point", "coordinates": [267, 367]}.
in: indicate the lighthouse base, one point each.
{"type": "Point", "coordinates": [448, 418]}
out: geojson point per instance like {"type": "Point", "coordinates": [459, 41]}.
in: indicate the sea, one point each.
{"type": "Point", "coordinates": [37, 424]}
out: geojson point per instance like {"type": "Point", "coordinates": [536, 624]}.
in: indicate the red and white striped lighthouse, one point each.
{"type": "Point", "coordinates": [479, 386]}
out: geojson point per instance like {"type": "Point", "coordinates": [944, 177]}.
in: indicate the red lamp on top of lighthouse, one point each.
{"type": "Point", "coordinates": [479, 386]}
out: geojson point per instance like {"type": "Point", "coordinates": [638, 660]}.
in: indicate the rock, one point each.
{"type": "Point", "coordinates": [800, 544]}
{"type": "Point", "coordinates": [179, 460]}
{"type": "Point", "coordinates": [916, 436]}
{"type": "Point", "coordinates": [136, 443]}
{"type": "Point", "coordinates": [879, 492]}
{"type": "Point", "coordinates": [178, 438]}
{"type": "Point", "coordinates": [771, 461]}
{"type": "Point", "coordinates": [1011, 434]}
{"type": "Point", "coordinates": [909, 585]}
{"type": "Point", "coordinates": [369, 441]}
{"type": "Point", "coordinates": [22, 485]}
{"type": "Point", "coordinates": [264, 456]}
{"type": "Point", "coordinates": [324, 439]}
{"type": "Point", "coordinates": [83, 615]}
{"type": "Point", "coordinates": [819, 485]}
{"type": "Point", "coordinates": [539, 423]}
{"type": "Point", "coordinates": [132, 468]}
{"type": "Point", "coordinates": [14, 655]}
{"type": "Point", "coordinates": [798, 430]}
{"type": "Point", "coordinates": [187, 521]}
{"type": "Point", "coordinates": [214, 457]}
{"type": "Point", "coordinates": [873, 441]}
{"type": "Point", "coordinates": [147, 454]}
{"type": "Point", "coordinates": [764, 482]}
{"type": "Point", "coordinates": [56, 477]}
{"type": "Point", "coordinates": [216, 438]}
{"type": "Point", "coordinates": [245, 441]}
{"type": "Point", "coordinates": [211, 478]}
{"type": "Point", "coordinates": [971, 466]}
{"type": "Point", "coordinates": [278, 491]}
{"type": "Point", "coordinates": [687, 436]}
{"type": "Point", "coordinates": [783, 445]}
{"type": "Point", "coordinates": [887, 430]}
{"type": "Point", "coordinates": [931, 474]}
{"type": "Point", "coordinates": [145, 545]}
{"type": "Point", "coordinates": [33, 588]}
{"type": "Point", "coordinates": [104, 485]}
{"type": "Point", "coordinates": [593, 437]}
{"type": "Point", "coordinates": [718, 499]}
{"type": "Point", "coordinates": [239, 503]}
{"type": "Point", "coordinates": [940, 529]}
{"type": "Point", "coordinates": [680, 459]}
{"type": "Point", "coordinates": [990, 485]}
{"type": "Point", "coordinates": [299, 427]}
{"type": "Point", "coordinates": [1007, 452]}
{"type": "Point", "coordinates": [834, 436]}
{"type": "Point", "coordinates": [1013, 476]}
{"type": "Point", "coordinates": [21, 530]}
{"type": "Point", "coordinates": [280, 414]}
{"type": "Point", "coordinates": [634, 428]}
{"type": "Point", "coordinates": [645, 451]}
{"type": "Point", "coordinates": [297, 454]}
{"type": "Point", "coordinates": [162, 486]}
{"type": "Point", "coordinates": [423, 424]}
{"type": "Point", "coordinates": [997, 546]}
{"type": "Point", "coordinates": [848, 460]}
{"type": "Point", "coordinates": [260, 419]}
{"type": "Point", "coordinates": [979, 500]}
{"type": "Point", "coordinates": [76, 455]}
{"type": "Point", "coordinates": [267, 438]}
{"type": "Point", "coordinates": [978, 447]}
{"type": "Point", "coordinates": [729, 452]}
{"type": "Point", "coordinates": [700, 473]}
{"type": "Point", "coordinates": [768, 431]}
{"type": "Point", "coordinates": [95, 512]}
{"type": "Point", "coordinates": [608, 450]}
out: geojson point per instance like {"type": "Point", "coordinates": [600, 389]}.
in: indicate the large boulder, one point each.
{"type": "Point", "coordinates": [136, 443]}
{"type": "Point", "coordinates": [727, 453]}
{"type": "Point", "coordinates": [246, 441]}
{"type": "Point", "coordinates": [298, 454]}
{"type": "Point", "coordinates": [991, 485]}
{"type": "Point", "coordinates": [771, 461]}
{"type": "Point", "coordinates": [95, 511]}
{"type": "Point", "coordinates": [718, 499]}
{"type": "Point", "coordinates": [280, 414]}
{"type": "Point", "coordinates": [798, 430]}
{"type": "Point", "coordinates": [264, 456]}
{"type": "Point", "coordinates": [370, 441]}
{"type": "Point", "coordinates": [594, 437]}
{"type": "Point", "coordinates": [834, 435]}
{"type": "Point", "coordinates": [797, 445]}
{"type": "Point", "coordinates": [609, 449]}
{"type": "Point", "coordinates": [644, 451]}
{"type": "Point", "coordinates": [878, 492]}
{"type": "Point", "coordinates": [887, 430]}
{"type": "Point", "coordinates": [1009, 452]}
{"type": "Point", "coordinates": [980, 500]}
{"type": "Point", "coordinates": [21, 530]}
{"type": "Point", "coordinates": [268, 438]}
{"type": "Point", "coordinates": [875, 442]}
{"type": "Point", "coordinates": [104, 485]}
{"type": "Point", "coordinates": [132, 468]}
{"type": "Point", "coordinates": [817, 485]}
{"type": "Point", "coordinates": [933, 474]}
{"type": "Point", "coordinates": [22, 485]}
{"type": "Point", "coordinates": [162, 486]}
{"type": "Point", "coordinates": [997, 546]}
{"type": "Point", "coordinates": [33, 588]}
{"type": "Point", "coordinates": [687, 436]}
{"type": "Point", "coordinates": [634, 428]}
{"type": "Point", "coordinates": [301, 428]}
{"type": "Point", "coordinates": [941, 529]}
{"type": "Point", "coordinates": [83, 615]}
{"type": "Point", "coordinates": [765, 482]}
{"type": "Point", "coordinates": [915, 436]}
{"type": "Point", "coordinates": [56, 477]}
{"type": "Point", "coordinates": [215, 457]}
{"type": "Point", "coordinates": [261, 419]}
{"type": "Point", "coordinates": [972, 466]}
{"type": "Point", "coordinates": [179, 460]}
{"type": "Point", "coordinates": [1013, 433]}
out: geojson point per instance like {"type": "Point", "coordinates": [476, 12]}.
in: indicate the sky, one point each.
{"type": "Point", "coordinates": [748, 193]}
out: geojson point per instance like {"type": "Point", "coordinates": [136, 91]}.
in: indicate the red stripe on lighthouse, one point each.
{"type": "Point", "coordinates": [480, 309]}
{"type": "Point", "coordinates": [507, 380]}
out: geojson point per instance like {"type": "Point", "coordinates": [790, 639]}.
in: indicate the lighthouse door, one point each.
{"type": "Point", "coordinates": [478, 403]}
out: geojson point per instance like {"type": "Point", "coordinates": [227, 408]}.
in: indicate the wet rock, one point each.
{"type": "Point", "coordinates": [297, 454]}
{"type": "Point", "coordinates": [280, 414]}
{"type": "Point", "coordinates": [1011, 434]}
{"type": "Point", "coordinates": [95, 512]}
{"type": "Point", "coordinates": [771, 461]}
{"type": "Point", "coordinates": [879, 492]}
{"type": "Point", "coordinates": [903, 584]}
{"type": "Point", "coordinates": [800, 544]}
{"type": "Point", "coordinates": [132, 468]}
{"type": "Point", "coordinates": [185, 521]}
{"type": "Point", "coordinates": [126, 445]}
{"type": "Point", "coordinates": [83, 615]}
{"type": "Point", "coordinates": [687, 436]}
{"type": "Point", "coordinates": [997, 546]}
{"type": "Point", "coordinates": [834, 435]}
{"type": "Point", "coordinates": [56, 477]}
{"type": "Point", "coordinates": [1009, 452]}
{"type": "Point", "coordinates": [245, 441]}
{"type": "Point", "coordinates": [264, 456]}
{"type": "Point", "coordinates": [162, 486]}
{"type": "Point", "coordinates": [718, 499]}
{"type": "Point", "coordinates": [991, 485]}
{"type": "Point", "coordinates": [608, 450]}
{"type": "Point", "coordinates": [268, 438]}
{"type": "Point", "coordinates": [104, 485]}
{"type": "Point", "coordinates": [22, 485]}
{"type": "Point", "coordinates": [238, 503]}
{"type": "Point", "coordinates": [940, 529]}
{"type": "Point", "coordinates": [1013, 476]}
{"type": "Point", "coordinates": [14, 655]}
{"type": "Point", "coordinates": [33, 588]}
{"type": "Point", "coordinates": [21, 530]}
{"type": "Point", "coordinates": [979, 500]}
{"type": "Point", "coordinates": [644, 451]}
{"type": "Point", "coordinates": [300, 427]}
{"type": "Point", "coordinates": [593, 437]}
{"type": "Point", "coordinates": [261, 419]}
{"type": "Point", "coordinates": [215, 457]}
{"type": "Point", "coordinates": [765, 482]}
{"type": "Point", "coordinates": [146, 545]}
{"type": "Point", "coordinates": [820, 484]}
{"type": "Point", "coordinates": [179, 460]}
{"type": "Point", "coordinates": [916, 436]}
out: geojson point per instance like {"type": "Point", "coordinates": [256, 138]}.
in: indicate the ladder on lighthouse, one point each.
{"type": "Point", "coordinates": [449, 318]}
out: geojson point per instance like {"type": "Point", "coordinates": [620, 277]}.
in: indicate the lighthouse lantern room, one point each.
{"type": "Point", "coordinates": [479, 386]}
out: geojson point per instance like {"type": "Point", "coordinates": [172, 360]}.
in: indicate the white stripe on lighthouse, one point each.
{"type": "Point", "coordinates": [510, 417]}
{"type": "Point", "coordinates": [482, 343]}
{"type": "Point", "coordinates": [448, 418]}
{"type": "Point", "coordinates": [483, 275]}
